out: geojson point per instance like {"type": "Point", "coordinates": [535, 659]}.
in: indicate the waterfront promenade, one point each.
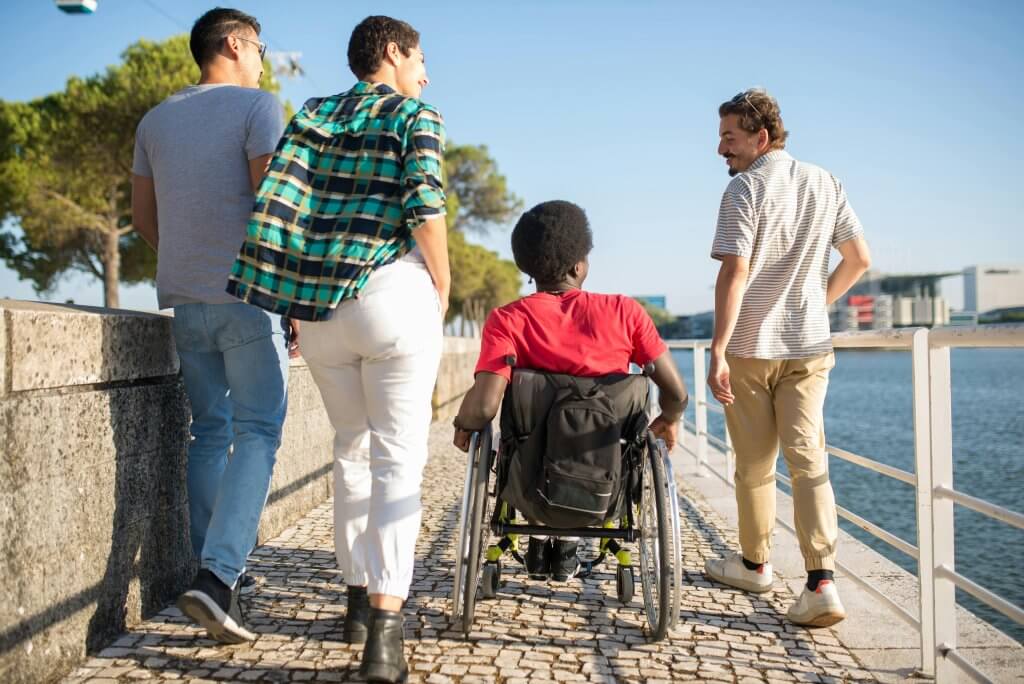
{"type": "Point", "coordinates": [94, 418]}
{"type": "Point", "coordinates": [533, 632]}
{"type": "Point", "coordinates": [561, 632]}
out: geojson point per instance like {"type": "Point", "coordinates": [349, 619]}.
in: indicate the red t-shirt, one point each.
{"type": "Point", "coordinates": [579, 333]}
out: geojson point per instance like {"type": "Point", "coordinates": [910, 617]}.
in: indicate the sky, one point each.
{"type": "Point", "coordinates": [914, 106]}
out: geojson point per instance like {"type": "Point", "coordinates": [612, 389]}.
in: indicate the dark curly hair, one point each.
{"type": "Point", "coordinates": [366, 47]}
{"type": "Point", "coordinates": [550, 239]}
{"type": "Point", "coordinates": [757, 109]}
{"type": "Point", "coordinates": [213, 27]}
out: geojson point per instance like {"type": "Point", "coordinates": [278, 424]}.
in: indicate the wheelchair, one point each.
{"type": "Point", "coordinates": [647, 514]}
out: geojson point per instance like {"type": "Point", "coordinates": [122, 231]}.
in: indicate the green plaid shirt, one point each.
{"type": "Point", "coordinates": [353, 176]}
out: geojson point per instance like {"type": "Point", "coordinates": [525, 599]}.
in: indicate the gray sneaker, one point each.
{"type": "Point", "coordinates": [731, 570]}
{"type": "Point", "coordinates": [818, 608]}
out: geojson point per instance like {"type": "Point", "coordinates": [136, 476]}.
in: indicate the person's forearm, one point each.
{"type": "Point", "coordinates": [144, 213]}
{"type": "Point", "coordinates": [149, 233]}
{"type": "Point", "coordinates": [729, 288]}
{"type": "Point", "coordinates": [672, 407]}
{"type": "Point", "coordinates": [845, 276]}
{"type": "Point", "coordinates": [432, 239]}
{"type": "Point", "coordinates": [672, 397]}
{"type": "Point", "coordinates": [473, 415]}
{"type": "Point", "coordinates": [478, 408]}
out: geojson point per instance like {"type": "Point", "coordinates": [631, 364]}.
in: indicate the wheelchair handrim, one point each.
{"type": "Point", "coordinates": [462, 540]}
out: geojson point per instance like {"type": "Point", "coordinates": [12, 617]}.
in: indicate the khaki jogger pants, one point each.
{"type": "Point", "coordinates": [781, 402]}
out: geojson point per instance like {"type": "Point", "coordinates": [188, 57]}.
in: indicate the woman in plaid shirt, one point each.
{"type": "Point", "coordinates": [348, 235]}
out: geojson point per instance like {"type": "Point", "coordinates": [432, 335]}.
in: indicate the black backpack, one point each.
{"type": "Point", "coordinates": [562, 462]}
{"type": "Point", "coordinates": [580, 468]}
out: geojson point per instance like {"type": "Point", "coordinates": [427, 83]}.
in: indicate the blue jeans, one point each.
{"type": "Point", "coordinates": [235, 368]}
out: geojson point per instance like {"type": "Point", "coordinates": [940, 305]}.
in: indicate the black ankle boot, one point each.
{"type": "Point", "coordinates": [357, 615]}
{"type": "Point", "coordinates": [383, 657]}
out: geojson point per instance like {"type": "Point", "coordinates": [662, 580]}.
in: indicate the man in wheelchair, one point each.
{"type": "Point", "coordinates": [563, 329]}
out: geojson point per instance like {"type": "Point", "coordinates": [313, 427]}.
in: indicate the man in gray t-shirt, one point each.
{"type": "Point", "coordinates": [771, 354]}
{"type": "Point", "coordinates": [199, 157]}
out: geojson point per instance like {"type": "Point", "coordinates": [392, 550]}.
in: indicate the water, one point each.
{"type": "Point", "coordinates": [869, 411]}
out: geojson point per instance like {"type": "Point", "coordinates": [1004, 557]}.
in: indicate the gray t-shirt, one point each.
{"type": "Point", "coordinates": [196, 146]}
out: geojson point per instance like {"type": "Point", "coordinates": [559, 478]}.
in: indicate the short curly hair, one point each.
{"type": "Point", "coordinates": [757, 109]}
{"type": "Point", "coordinates": [369, 41]}
{"type": "Point", "coordinates": [550, 239]}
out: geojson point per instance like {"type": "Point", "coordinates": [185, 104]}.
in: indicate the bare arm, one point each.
{"type": "Point", "coordinates": [479, 406]}
{"type": "Point", "coordinates": [856, 260]}
{"type": "Point", "coordinates": [732, 279]}
{"type": "Point", "coordinates": [258, 169]}
{"type": "Point", "coordinates": [729, 288]}
{"type": "Point", "coordinates": [144, 217]}
{"type": "Point", "coordinates": [672, 399]}
{"type": "Point", "coordinates": [432, 239]}
{"type": "Point", "coordinates": [672, 396]}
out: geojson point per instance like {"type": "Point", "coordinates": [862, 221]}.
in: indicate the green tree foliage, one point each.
{"type": "Point", "coordinates": [478, 195]}
{"type": "Point", "coordinates": [481, 280]}
{"type": "Point", "coordinates": [663, 320]}
{"type": "Point", "coordinates": [478, 198]}
{"type": "Point", "coordinates": [65, 169]}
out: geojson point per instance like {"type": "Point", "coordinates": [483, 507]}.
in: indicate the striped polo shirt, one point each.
{"type": "Point", "coordinates": [784, 216]}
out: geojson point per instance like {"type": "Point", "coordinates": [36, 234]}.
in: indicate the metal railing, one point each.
{"type": "Point", "coordinates": [936, 620]}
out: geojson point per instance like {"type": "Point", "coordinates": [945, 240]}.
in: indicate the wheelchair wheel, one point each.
{"type": "Point", "coordinates": [463, 577]}
{"type": "Point", "coordinates": [624, 583]}
{"type": "Point", "coordinates": [660, 564]}
{"type": "Point", "coordinates": [475, 527]}
{"type": "Point", "coordinates": [676, 536]}
{"type": "Point", "coordinates": [490, 580]}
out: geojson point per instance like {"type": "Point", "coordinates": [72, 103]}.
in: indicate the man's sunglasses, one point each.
{"type": "Point", "coordinates": [262, 46]}
{"type": "Point", "coordinates": [743, 97]}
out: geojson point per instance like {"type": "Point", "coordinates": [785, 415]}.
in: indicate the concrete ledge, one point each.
{"type": "Point", "coordinates": [61, 346]}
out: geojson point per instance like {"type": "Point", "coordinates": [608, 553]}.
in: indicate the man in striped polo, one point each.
{"type": "Point", "coordinates": [771, 352]}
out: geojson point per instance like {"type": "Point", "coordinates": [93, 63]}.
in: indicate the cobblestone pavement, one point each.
{"type": "Point", "coordinates": [533, 632]}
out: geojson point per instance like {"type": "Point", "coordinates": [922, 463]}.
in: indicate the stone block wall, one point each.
{"type": "Point", "coordinates": [93, 510]}
{"type": "Point", "coordinates": [455, 376]}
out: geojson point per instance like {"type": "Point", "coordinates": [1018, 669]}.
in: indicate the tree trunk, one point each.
{"type": "Point", "coordinates": [111, 268]}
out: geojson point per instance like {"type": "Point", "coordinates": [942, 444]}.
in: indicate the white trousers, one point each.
{"type": "Point", "coordinates": [375, 362]}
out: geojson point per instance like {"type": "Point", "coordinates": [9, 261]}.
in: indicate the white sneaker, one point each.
{"type": "Point", "coordinates": [818, 608]}
{"type": "Point", "coordinates": [730, 570]}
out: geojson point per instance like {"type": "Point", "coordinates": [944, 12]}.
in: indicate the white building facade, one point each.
{"type": "Point", "coordinates": [993, 287]}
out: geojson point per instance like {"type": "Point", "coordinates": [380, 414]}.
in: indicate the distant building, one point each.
{"type": "Point", "coordinates": [993, 287]}
{"type": "Point", "coordinates": [1009, 314]}
{"type": "Point", "coordinates": [654, 300]}
{"type": "Point", "coordinates": [697, 326]}
{"type": "Point", "coordinates": [963, 318]}
{"type": "Point", "coordinates": [880, 300]}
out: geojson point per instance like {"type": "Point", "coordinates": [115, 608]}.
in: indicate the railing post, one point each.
{"type": "Point", "coordinates": [942, 528]}
{"type": "Point", "coordinates": [700, 409]}
{"type": "Point", "coordinates": [923, 473]}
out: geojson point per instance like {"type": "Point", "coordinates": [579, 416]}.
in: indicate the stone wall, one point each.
{"type": "Point", "coordinates": [455, 376]}
{"type": "Point", "coordinates": [93, 511]}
